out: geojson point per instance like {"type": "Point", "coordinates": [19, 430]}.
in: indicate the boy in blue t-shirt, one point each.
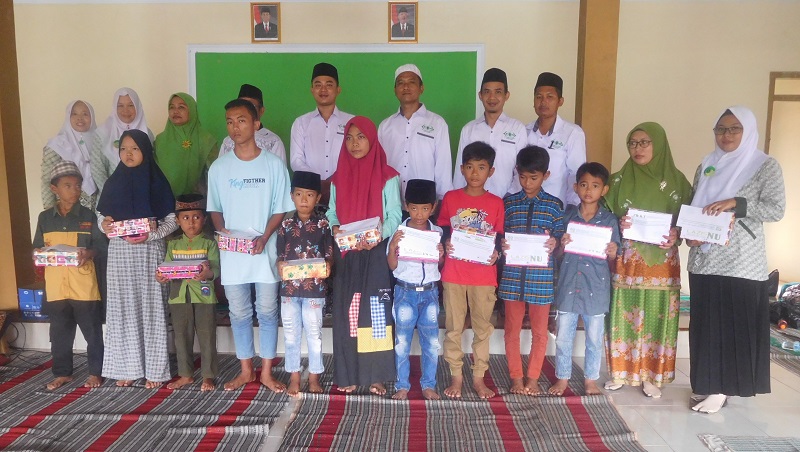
{"type": "Point", "coordinates": [584, 283]}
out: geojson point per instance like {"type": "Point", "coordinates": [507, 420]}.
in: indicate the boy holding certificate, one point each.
{"type": "Point", "coordinates": [584, 284]}
{"type": "Point", "coordinates": [530, 211]}
{"type": "Point", "coordinates": [416, 292]}
{"type": "Point", "coordinates": [465, 283]}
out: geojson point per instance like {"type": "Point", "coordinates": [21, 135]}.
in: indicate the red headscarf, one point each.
{"type": "Point", "coordinates": [359, 182]}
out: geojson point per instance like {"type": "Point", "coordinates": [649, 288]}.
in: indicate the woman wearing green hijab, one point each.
{"type": "Point", "coordinates": [645, 300]}
{"type": "Point", "coordinates": [184, 150]}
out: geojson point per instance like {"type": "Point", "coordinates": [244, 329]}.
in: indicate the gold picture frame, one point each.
{"type": "Point", "coordinates": [403, 22]}
{"type": "Point", "coordinates": [261, 33]}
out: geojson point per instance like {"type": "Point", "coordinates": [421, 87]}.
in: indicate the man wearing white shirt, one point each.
{"type": "Point", "coordinates": [265, 139]}
{"type": "Point", "coordinates": [416, 140]}
{"type": "Point", "coordinates": [506, 135]}
{"type": "Point", "coordinates": [564, 141]}
{"type": "Point", "coordinates": [317, 136]}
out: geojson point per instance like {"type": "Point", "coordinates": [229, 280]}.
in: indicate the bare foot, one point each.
{"type": "Point", "coordinates": [402, 394]}
{"type": "Point", "coordinates": [517, 387]}
{"type": "Point", "coordinates": [591, 387]}
{"type": "Point", "coordinates": [558, 388]}
{"type": "Point", "coordinates": [347, 389]}
{"type": "Point", "coordinates": [294, 384]}
{"type": "Point", "coordinates": [454, 390]}
{"type": "Point", "coordinates": [271, 383]}
{"type": "Point", "coordinates": [377, 389]}
{"type": "Point", "coordinates": [58, 382]}
{"type": "Point", "coordinates": [313, 384]}
{"type": "Point", "coordinates": [481, 389]}
{"type": "Point", "coordinates": [180, 382]}
{"type": "Point", "coordinates": [207, 385]}
{"type": "Point", "coordinates": [240, 380]}
{"type": "Point", "coordinates": [153, 384]}
{"type": "Point", "coordinates": [430, 394]}
{"type": "Point", "coordinates": [94, 381]}
{"type": "Point", "coordinates": [124, 383]}
{"type": "Point", "coordinates": [532, 387]}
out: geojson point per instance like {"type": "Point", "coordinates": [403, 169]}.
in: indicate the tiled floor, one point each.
{"type": "Point", "coordinates": [668, 424]}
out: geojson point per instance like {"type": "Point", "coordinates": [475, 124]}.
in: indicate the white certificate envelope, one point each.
{"type": "Point", "coordinates": [527, 250]}
{"type": "Point", "coordinates": [588, 240]}
{"type": "Point", "coordinates": [418, 245]}
{"type": "Point", "coordinates": [472, 247]}
{"type": "Point", "coordinates": [647, 226]}
{"type": "Point", "coordinates": [695, 225]}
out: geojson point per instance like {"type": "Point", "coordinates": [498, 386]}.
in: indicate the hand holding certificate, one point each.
{"type": "Point", "coordinates": [472, 246]}
{"type": "Point", "coordinates": [695, 225]}
{"type": "Point", "coordinates": [527, 250]}
{"type": "Point", "coordinates": [588, 240]}
{"type": "Point", "coordinates": [647, 226]}
{"type": "Point", "coordinates": [417, 245]}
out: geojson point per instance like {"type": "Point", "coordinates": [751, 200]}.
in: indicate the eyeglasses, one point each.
{"type": "Point", "coordinates": [642, 143]}
{"type": "Point", "coordinates": [735, 130]}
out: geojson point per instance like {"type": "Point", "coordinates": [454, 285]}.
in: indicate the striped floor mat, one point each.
{"type": "Point", "coordinates": [129, 419]}
{"type": "Point", "coordinates": [716, 443]}
{"type": "Point", "coordinates": [363, 422]}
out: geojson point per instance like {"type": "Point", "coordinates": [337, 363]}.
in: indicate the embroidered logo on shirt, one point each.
{"type": "Point", "coordinates": [510, 135]}
{"type": "Point", "coordinates": [427, 128]}
{"type": "Point", "coordinates": [85, 225]}
{"type": "Point", "coordinates": [555, 144]}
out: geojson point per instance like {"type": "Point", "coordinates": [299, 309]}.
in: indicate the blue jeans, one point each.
{"type": "Point", "coordinates": [567, 323]}
{"type": "Point", "coordinates": [421, 310]}
{"type": "Point", "coordinates": [240, 304]}
{"type": "Point", "coordinates": [298, 313]}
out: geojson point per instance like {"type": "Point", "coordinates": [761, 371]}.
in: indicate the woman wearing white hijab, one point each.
{"type": "Point", "coordinates": [126, 114]}
{"type": "Point", "coordinates": [72, 144]}
{"type": "Point", "coordinates": [729, 328]}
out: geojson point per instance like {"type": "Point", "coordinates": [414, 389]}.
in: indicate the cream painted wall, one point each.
{"type": "Point", "coordinates": [102, 47]}
{"type": "Point", "coordinates": [682, 63]}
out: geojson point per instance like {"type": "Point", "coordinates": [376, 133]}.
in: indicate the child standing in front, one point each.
{"type": "Point", "coordinates": [584, 284]}
{"type": "Point", "coordinates": [72, 293]}
{"type": "Point", "coordinates": [306, 235]}
{"type": "Point", "coordinates": [530, 211]}
{"type": "Point", "coordinates": [416, 294]}
{"type": "Point", "coordinates": [192, 302]}
{"type": "Point", "coordinates": [469, 284]}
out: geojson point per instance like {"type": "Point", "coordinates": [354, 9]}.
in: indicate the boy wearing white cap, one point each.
{"type": "Point", "coordinates": [416, 140]}
{"type": "Point", "coordinates": [504, 134]}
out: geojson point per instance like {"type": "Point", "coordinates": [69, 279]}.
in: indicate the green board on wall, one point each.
{"type": "Point", "coordinates": [366, 78]}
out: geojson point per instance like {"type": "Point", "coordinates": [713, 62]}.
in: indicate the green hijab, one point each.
{"type": "Point", "coordinates": [185, 152]}
{"type": "Point", "coordinates": [658, 186]}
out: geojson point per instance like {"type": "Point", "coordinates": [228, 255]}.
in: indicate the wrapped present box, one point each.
{"type": "Point", "coordinates": [304, 268]}
{"type": "Point", "coordinates": [57, 256]}
{"type": "Point", "coordinates": [126, 228]}
{"type": "Point", "coordinates": [365, 231]}
{"type": "Point", "coordinates": [186, 269]}
{"type": "Point", "coordinates": [237, 241]}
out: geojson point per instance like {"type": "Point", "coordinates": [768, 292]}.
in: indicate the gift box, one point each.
{"type": "Point", "coordinates": [57, 256]}
{"type": "Point", "coordinates": [365, 231]}
{"type": "Point", "coordinates": [304, 268]}
{"type": "Point", "coordinates": [185, 269]}
{"type": "Point", "coordinates": [237, 241]}
{"type": "Point", "coordinates": [126, 228]}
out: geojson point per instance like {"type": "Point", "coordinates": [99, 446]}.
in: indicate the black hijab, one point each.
{"type": "Point", "coordinates": [139, 192]}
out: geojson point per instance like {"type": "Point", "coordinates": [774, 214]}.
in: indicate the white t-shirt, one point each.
{"type": "Point", "coordinates": [248, 193]}
{"type": "Point", "coordinates": [507, 137]}
{"type": "Point", "coordinates": [418, 148]}
{"type": "Point", "coordinates": [316, 144]}
{"type": "Point", "coordinates": [265, 139]}
{"type": "Point", "coordinates": [566, 144]}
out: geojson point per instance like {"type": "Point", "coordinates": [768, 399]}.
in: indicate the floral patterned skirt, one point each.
{"type": "Point", "coordinates": [642, 325]}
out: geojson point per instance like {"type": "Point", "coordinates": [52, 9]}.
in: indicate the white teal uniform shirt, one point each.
{"type": "Point", "coordinates": [418, 148]}
{"type": "Point", "coordinates": [507, 137]}
{"type": "Point", "coordinates": [248, 193]}
{"type": "Point", "coordinates": [316, 144]}
{"type": "Point", "coordinates": [566, 144]}
{"type": "Point", "coordinates": [265, 140]}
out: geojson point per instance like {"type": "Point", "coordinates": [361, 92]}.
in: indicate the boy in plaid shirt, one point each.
{"type": "Point", "coordinates": [530, 211]}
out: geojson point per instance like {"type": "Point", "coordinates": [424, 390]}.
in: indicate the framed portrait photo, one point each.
{"type": "Point", "coordinates": [265, 22]}
{"type": "Point", "coordinates": [403, 21]}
